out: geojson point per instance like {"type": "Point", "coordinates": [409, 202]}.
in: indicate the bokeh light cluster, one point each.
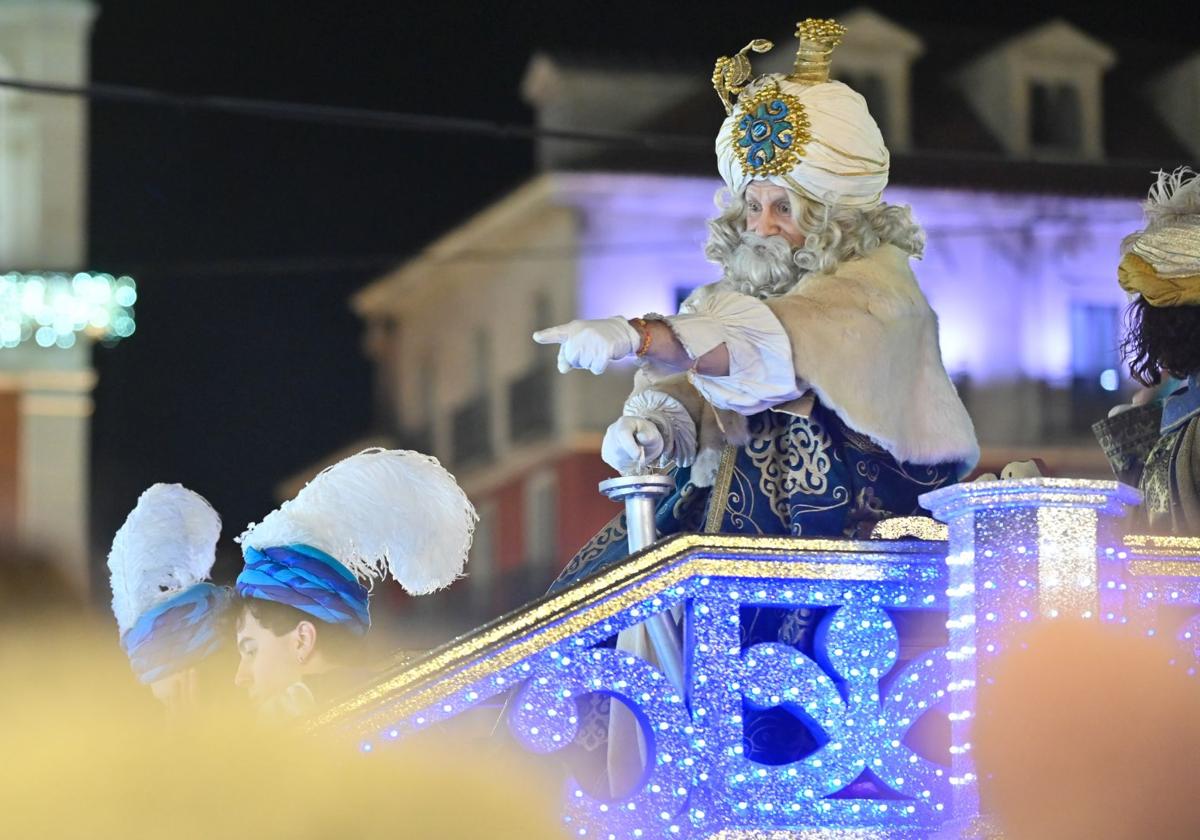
{"type": "Point", "coordinates": [54, 310]}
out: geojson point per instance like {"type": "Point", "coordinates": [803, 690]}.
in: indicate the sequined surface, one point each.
{"type": "Point", "coordinates": [599, 592]}
{"type": "Point", "coordinates": [1066, 544]}
{"type": "Point", "coordinates": [1162, 546]}
{"type": "Point", "coordinates": [1017, 551]}
{"type": "Point", "coordinates": [918, 527]}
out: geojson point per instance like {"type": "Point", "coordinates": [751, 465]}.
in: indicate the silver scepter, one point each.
{"type": "Point", "coordinates": [641, 493]}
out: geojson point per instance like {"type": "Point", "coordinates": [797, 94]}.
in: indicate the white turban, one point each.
{"type": "Point", "coordinates": [844, 160]}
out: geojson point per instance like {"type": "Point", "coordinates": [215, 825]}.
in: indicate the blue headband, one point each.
{"type": "Point", "coordinates": [308, 579]}
{"type": "Point", "coordinates": [177, 633]}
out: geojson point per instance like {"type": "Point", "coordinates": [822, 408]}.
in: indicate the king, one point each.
{"type": "Point", "coordinates": [804, 392]}
{"type": "Point", "coordinates": [801, 394]}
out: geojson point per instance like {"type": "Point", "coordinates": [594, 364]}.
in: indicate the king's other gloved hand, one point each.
{"type": "Point", "coordinates": [630, 443]}
{"type": "Point", "coordinates": [591, 344]}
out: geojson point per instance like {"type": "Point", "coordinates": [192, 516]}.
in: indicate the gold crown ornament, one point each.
{"type": "Point", "coordinates": [817, 39]}
{"type": "Point", "coordinates": [774, 128]}
{"type": "Point", "coordinates": [731, 74]}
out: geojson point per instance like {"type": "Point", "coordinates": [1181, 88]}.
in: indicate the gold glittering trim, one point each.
{"type": "Point", "coordinates": [803, 834]}
{"type": "Point", "coordinates": [1151, 556]}
{"type": "Point", "coordinates": [494, 647]}
{"type": "Point", "coordinates": [1163, 546]}
{"type": "Point", "coordinates": [857, 173]}
{"type": "Point", "coordinates": [1066, 561]}
{"type": "Point", "coordinates": [1164, 568]}
{"type": "Point", "coordinates": [920, 527]}
{"type": "Point", "coordinates": [785, 160]}
{"type": "Point", "coordinates": [882, 165]}
{"type": "Point", "coordinates": [949, 502]}
{"type": "Point", "coordinates": [718, 498]}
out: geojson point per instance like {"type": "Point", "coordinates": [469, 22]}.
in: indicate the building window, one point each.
{"type": "Point", "coordinates": [541, 521]}
{"type": "Point", "coordinates": [482, 360]}
{"type": "Point", "coordinates": [481, 566]}
{"type": "Point", "coordinates": [681, 294]}
{"type": "Point", "coordinates": [1095, 338]}
{"type": "Point", "coordinates": [471, 423]}
{"type": "Point", "coordinates": [543, 311]}
{"type": "Point", "coordinates": [1055, 117]}
{"type": "Point", "coordinates": [531, 395]}
{"type": "Point", "coordinates": [531, 404]}
{"type": "Point", "coordinates": [471, 432]}
{"type": "Point", "coordinates": [1095, 362]}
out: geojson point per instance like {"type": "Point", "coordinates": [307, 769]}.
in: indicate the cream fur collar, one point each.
{"type": "Point", "coordinates": [866, 341]}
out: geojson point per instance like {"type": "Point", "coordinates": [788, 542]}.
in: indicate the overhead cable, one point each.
{"type": "Point", "coordinates": [359, 117]}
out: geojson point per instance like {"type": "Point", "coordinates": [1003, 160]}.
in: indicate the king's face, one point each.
{"type": "Point", "coordinates": [770, 211]}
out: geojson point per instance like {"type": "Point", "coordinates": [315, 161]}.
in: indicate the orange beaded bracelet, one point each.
{"type": "Point", "coordinates": [642, 327]}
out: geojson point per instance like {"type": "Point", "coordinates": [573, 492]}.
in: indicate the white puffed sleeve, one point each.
{"type": "Point", "coordinates": [672, 420]}
{"type": "Point", "coordinates": [761, 373]}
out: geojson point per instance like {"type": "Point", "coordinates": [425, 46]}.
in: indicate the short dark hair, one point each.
{"type": "Point", "coordinates": [339, 643]}
{"type": "Point", "coordinates": [1161, 338]}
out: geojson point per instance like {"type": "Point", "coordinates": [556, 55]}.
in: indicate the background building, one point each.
{"type": "Point", "coordinates": [50, 311]}
{"type": "Point", "coordinates": [1015, 154]}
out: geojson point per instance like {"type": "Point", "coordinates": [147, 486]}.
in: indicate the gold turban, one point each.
{"type": "Point", "coordinates": [1162, 262]}
{"type": "Point", "coordinates": [1137, 276]}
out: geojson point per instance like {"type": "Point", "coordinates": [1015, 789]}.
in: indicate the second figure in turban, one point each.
{"type": "Point", "coordinates": [304, 591]}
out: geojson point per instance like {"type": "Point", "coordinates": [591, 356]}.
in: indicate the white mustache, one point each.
{"type": "Point", "coordinates": [762, 266]}
{"type": "Point", "coordinates": [776, 245]}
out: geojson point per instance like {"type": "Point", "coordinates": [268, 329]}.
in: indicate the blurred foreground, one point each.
{"type": "Point", "coordinates": [89, 753]}
{"type": "Point", "coordinates": [1087, 732]}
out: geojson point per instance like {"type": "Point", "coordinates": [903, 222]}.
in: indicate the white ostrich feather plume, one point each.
{"type": "Point", "coordinates": [380, 511]}
{"type": "Point", "coordinates": [167, 544]}
{"type": "Point", "coordinates": [1173, 194]}
{"type": "Point", "coordinates": [1170, 242]}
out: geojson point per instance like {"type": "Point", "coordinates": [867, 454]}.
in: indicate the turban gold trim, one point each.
{"type": "Point", "coordinates": [1137, 276]}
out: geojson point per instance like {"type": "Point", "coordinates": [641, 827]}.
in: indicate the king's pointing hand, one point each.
{"type": "Point", "coordinates": [591, 344]}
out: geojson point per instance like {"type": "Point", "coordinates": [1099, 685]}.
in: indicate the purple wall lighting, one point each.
{"type": "Point", "coordinates": [1033, 258]}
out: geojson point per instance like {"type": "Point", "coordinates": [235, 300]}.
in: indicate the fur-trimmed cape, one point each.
{"type": "Point", "coordinates": [865, 340]}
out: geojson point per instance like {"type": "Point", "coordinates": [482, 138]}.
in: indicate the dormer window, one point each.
{"type": "Point", "coordinates": [1176, 96]}
{"type": "Point", "coordinates": [876, 59]}
{"type": "Point", "coordinates": [1039, 94]}
{"type": "Point", "coordinates": [1055, 117]}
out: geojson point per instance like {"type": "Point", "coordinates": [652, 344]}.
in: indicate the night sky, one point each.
{"type": "Point", "coordinates": [239, 376]}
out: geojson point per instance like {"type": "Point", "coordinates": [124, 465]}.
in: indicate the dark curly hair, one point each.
{"type": "Point", "coordinates": [1161, 338]}
{"type": "Point", "coordinates": [335, 641]}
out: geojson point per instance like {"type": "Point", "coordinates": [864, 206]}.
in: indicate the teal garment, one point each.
{"type": "Point", "coordinates": [1156, 447]}
{"type": "Point", "coordinates": [798, 476]}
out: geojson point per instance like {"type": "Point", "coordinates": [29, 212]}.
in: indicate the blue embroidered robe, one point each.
{"type": "Point", "coordinates": [798, 476]}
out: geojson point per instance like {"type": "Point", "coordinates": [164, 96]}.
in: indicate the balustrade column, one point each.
{"type": "Point", "coordinates": [1019, 550]}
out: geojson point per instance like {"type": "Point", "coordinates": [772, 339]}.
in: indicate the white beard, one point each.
{"type": "Point", "coordinates": [762, 266]}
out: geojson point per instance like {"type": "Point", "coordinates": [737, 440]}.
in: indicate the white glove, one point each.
{"type": "Point", "coordinates": [623, 440]}
{"type": "Point", "coordinates": [591, 344]}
